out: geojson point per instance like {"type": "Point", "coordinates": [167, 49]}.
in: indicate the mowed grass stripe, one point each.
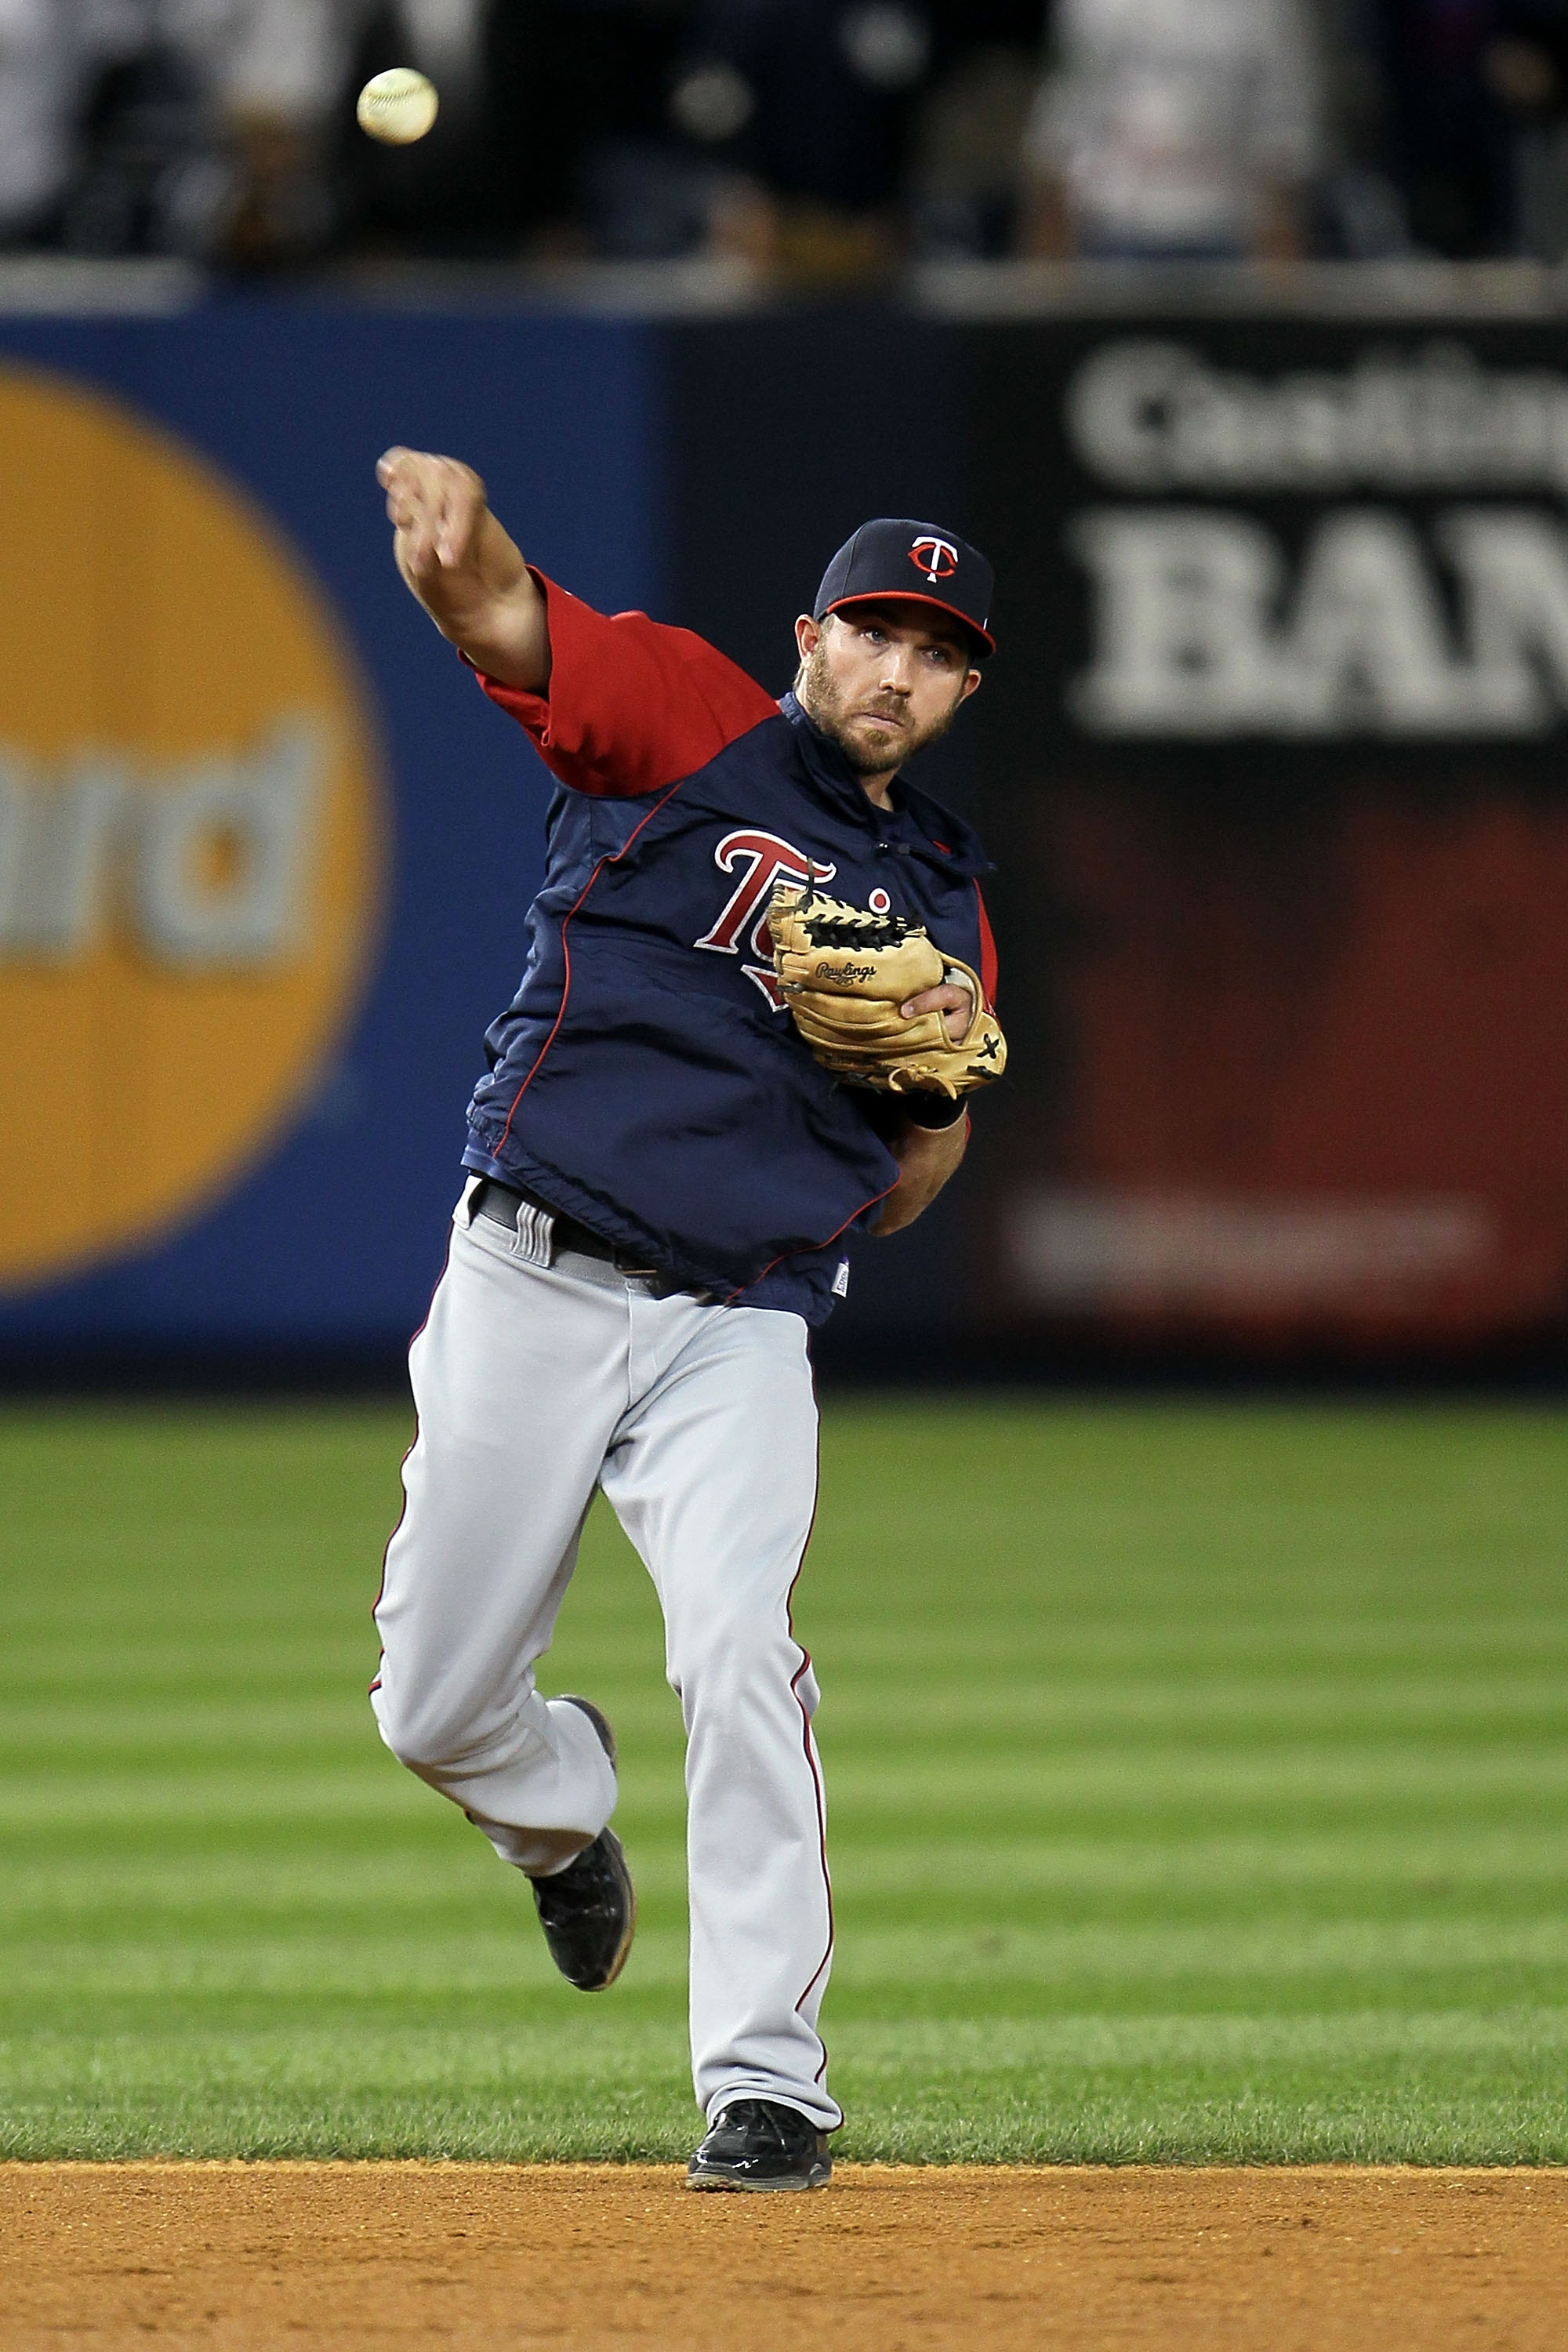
{"type": "Point", "coordinates": [1098, 1709]}
{"type": "Point", "coordinates": [306, 1960]}
{"type": "Point", "coordinates": [1057, 1637]}
{"type": "Point", "coordinates": [1505, 1863]}
{"type": "Point", "coordinates": [1143, 1723]}
{"type": "Point", "coordinates": [986, 1771]}
{"type": "Point", "coordinates": [1117, 2092]}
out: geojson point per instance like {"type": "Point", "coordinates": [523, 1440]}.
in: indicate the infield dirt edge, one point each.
{"type": "Point", "coordinates": [223, 2254]}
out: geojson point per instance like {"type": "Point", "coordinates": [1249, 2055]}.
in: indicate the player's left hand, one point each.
{"type": "Point", "coordinates": [955, 1004]}
{"type": "Point", "coordinates": [877, 1002]}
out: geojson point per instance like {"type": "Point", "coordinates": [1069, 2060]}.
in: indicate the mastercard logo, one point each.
{"type": "Point", "coordinates": [193, 833]}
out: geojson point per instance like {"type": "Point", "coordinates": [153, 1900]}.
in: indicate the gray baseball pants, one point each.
{"type": "Point", "coordinates": [533, 1386]}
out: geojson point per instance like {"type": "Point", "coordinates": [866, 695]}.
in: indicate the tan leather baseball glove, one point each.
{"type": "Point", "coordinates": [844, 973]}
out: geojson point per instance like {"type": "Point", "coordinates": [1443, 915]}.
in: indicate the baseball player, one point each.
{"type": "Point", "coordinates": [685, 1123]}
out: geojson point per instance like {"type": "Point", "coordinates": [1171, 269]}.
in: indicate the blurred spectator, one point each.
{"type": "Point", "coordinates": [149, 179]}
{"type": "Point", "coordinates": [49, 50]}
{"type": "Point", "coordinates": [1477, 99]}
{"type": "Point", "coordinates": [1527, 72]}
{"type": "Point", "coordinates": [828, 133]}
{"type": "Point", "coordinates": [1450, 135]}
{"type": "Point", "coordinates": [803, 109]}
{"type": "Point", "coordinates": [1356, 211]}
{"type": "Point", "coordinates": [276, 70]}
{"type": "Point", "coordinates": [608, 66]}
{"type": "Point", "coordinates": [1174, 129]}
{"type": "Point", "coordinates": [968, 135]}
{"type": "Point", "coordinates": [132, 126]}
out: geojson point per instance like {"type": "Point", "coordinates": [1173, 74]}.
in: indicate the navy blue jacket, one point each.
{"type": "Point", "coordinates": [647, 1077]}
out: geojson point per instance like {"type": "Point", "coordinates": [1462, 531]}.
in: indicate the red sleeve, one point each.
{"type": "Point", "coordinates": [987, 952]}
{"type": "Point", "coordinates": [632, 705]}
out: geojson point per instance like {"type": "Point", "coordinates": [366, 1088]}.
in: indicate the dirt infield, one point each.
{"type": "Point", "coordinates": [344, 2257]}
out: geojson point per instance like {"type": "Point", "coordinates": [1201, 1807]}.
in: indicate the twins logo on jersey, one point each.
{"type": "Point", "coordinates": [743, 922]}
{"type": "Point", "coordinates": [761, 859]}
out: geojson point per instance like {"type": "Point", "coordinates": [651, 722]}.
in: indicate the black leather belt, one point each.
{"type": "Point", "coordinates": [500, 1203]}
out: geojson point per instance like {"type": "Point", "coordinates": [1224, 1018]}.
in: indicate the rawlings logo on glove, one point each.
{"type": "Point", "coordinates": [845, 972]}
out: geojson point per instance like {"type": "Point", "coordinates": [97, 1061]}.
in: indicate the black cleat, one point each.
{"type": "Point", "coordinates": [757, 2144]}
{"type": "Point", "coordinates": [588, 1911]}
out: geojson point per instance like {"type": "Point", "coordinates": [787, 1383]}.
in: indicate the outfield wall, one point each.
{"type": "Point", "coordinates": [1270, 763]}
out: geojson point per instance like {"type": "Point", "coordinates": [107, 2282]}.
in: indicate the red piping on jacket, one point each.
{"type": "Point", "coordinates": [810, 1248]}
{"type": "Point", "coordinates": [987, 953]}
{"type": "Point", "coordinates": [610, 857]}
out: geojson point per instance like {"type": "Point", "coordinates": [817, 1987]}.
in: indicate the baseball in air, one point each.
{"type": "Point", "coordinates": [397, 107]}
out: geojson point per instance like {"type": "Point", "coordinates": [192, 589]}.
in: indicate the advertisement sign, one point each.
{"type": "Point", "coordinates": [194, 834]}
{"type": "Point", "coordinates": [1277, 791]}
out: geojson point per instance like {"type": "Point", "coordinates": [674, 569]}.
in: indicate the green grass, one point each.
{"type": "Point", "coordinates": [1198, 1781]}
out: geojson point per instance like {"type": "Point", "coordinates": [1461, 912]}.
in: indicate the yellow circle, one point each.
{"type": "Point", "coordinates": [191, 831]}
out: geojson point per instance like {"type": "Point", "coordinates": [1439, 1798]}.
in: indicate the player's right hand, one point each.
{"type": "Point", "coordinates": [436, 508]}
{"type": "Point", "coordinates": [464, 569]}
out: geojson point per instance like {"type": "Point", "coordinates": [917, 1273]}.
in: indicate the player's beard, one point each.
{"type": "Point", "coordinates": [824, 703]}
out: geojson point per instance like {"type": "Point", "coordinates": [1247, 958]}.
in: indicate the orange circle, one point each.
{"type": "Point", "coordinates": [192, 831]}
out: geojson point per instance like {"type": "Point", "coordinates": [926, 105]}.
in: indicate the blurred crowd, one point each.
{"type": "Point", "coordinates": [825, 137]}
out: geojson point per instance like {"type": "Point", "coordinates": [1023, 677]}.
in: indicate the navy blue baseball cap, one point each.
{"type": "Point", "coordinates": [919, 564]}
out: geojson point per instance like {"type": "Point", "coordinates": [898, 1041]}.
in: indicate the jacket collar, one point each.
{"type": "Point", "coordinates": [826, 764]}
{"type": "Point", "coordinates": [914, 816]}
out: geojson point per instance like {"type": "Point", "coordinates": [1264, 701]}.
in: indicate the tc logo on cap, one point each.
{"type": "Point", "coordinates": [937, 558]}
